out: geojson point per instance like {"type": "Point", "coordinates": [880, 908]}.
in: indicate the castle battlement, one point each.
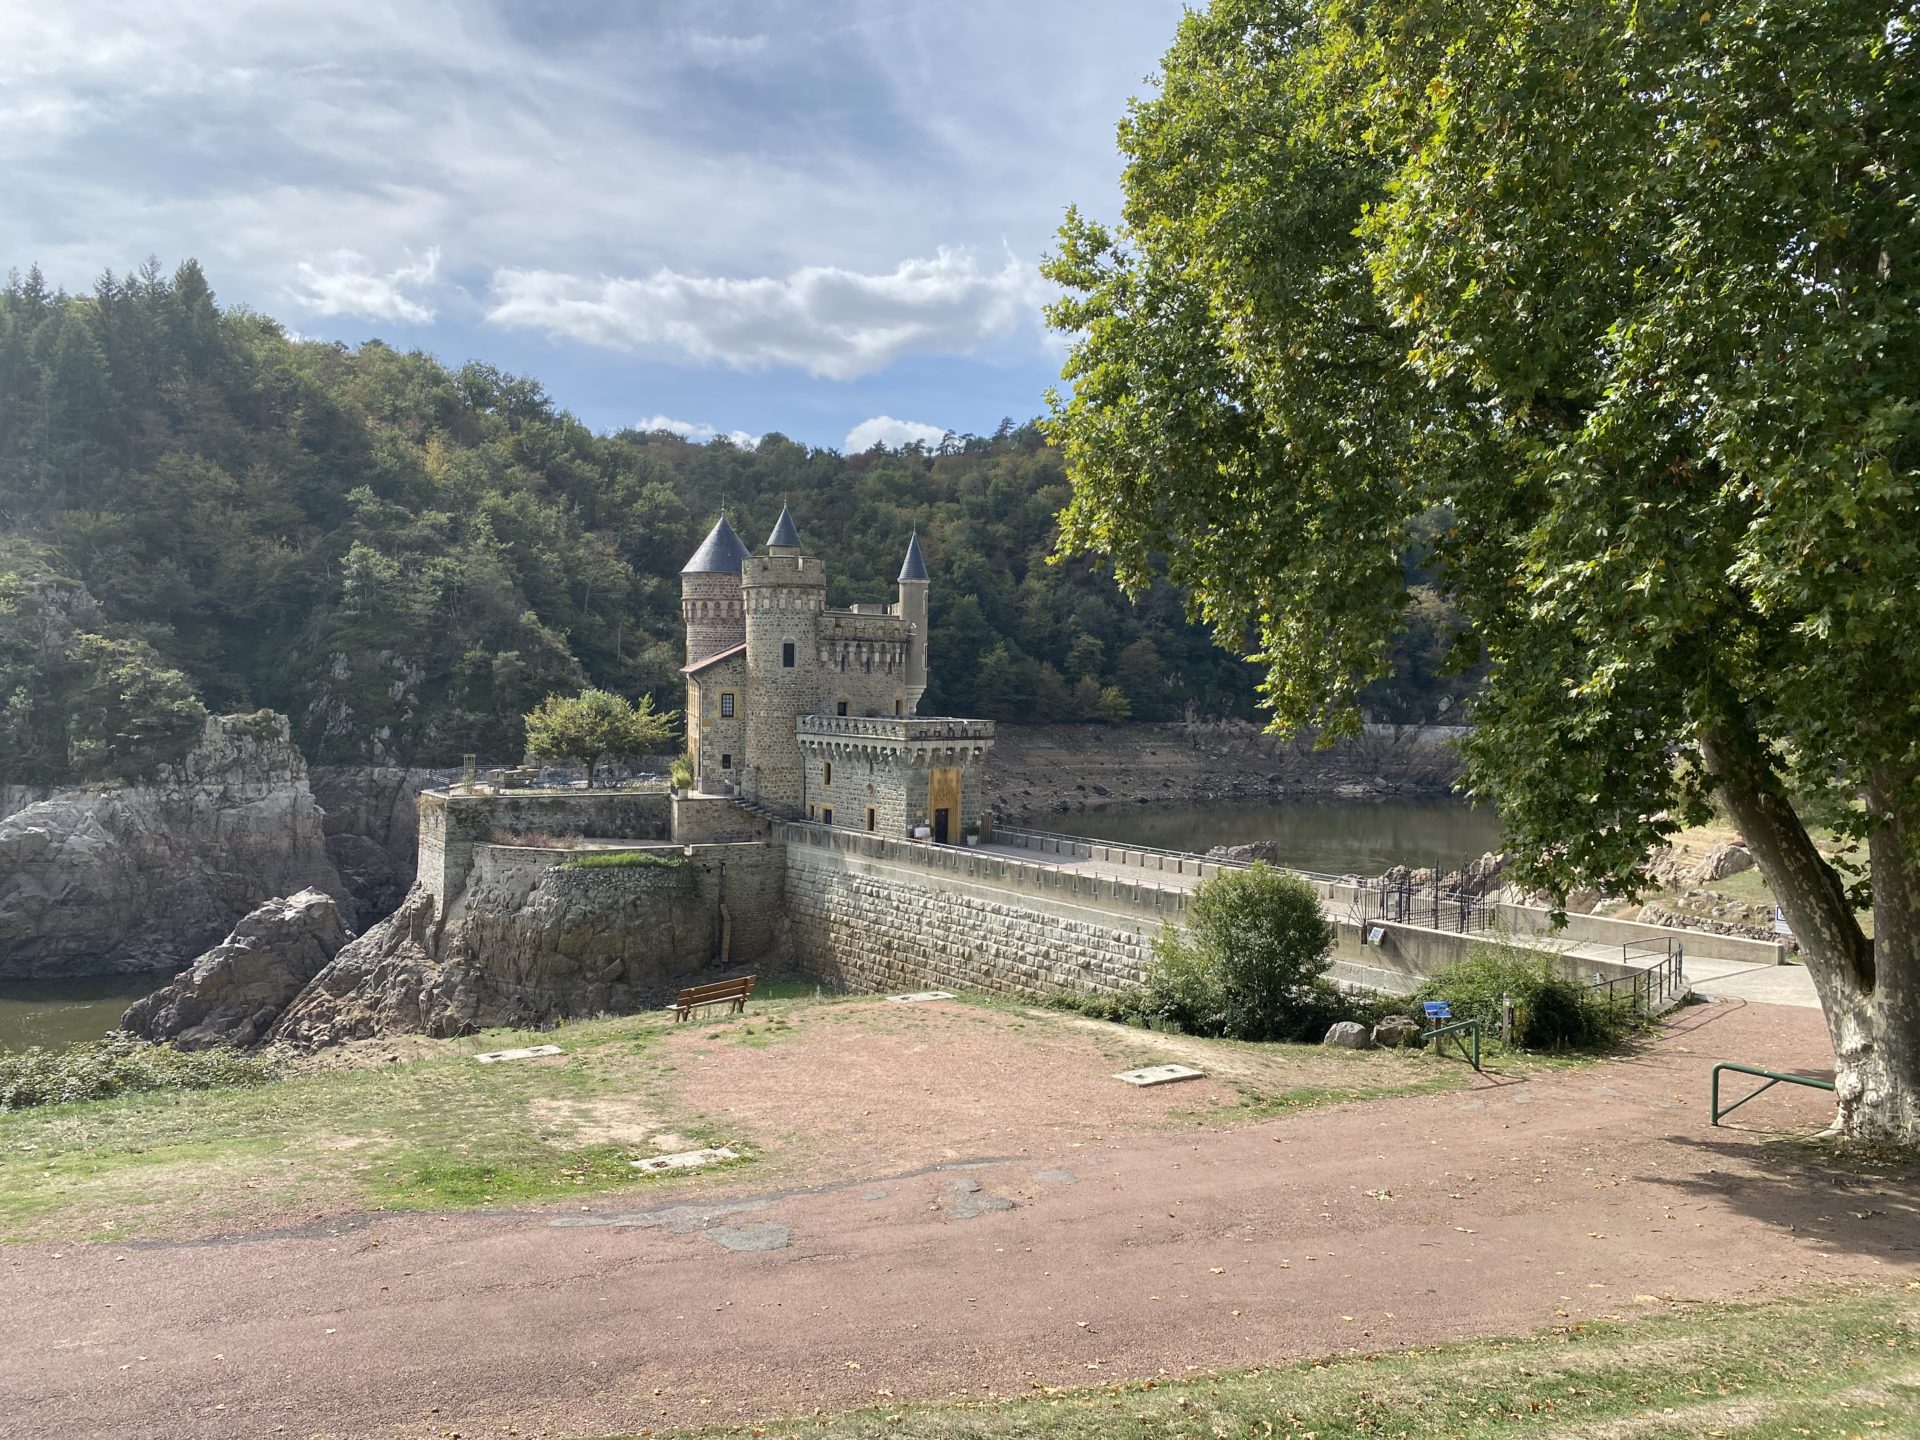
{"type": "Point", "coordinates": [771, 670]}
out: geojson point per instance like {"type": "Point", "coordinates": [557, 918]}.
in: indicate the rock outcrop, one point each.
{"type": "Point", "coordinates": [1267, 850]}
{"type": "Point", "coordinates": [143, 877]}
{"type": "Point", "coordinates": [532, 939]}
{"type": "Point", "coordinates": [236, 991]}
{"type": "Point", "coordinates": [372, 828]}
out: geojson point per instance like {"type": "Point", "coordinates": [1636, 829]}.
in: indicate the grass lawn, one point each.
{"type": "Point", "coordinates": [1836, 1365]}
{"type": "Point", "coordinates": [433, 1130]}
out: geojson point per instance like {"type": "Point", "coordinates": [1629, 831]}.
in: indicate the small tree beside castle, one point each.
{"type": "Point", "coordinates": [596, 724]}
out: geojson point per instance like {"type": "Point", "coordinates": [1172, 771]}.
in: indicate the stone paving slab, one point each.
{"type": "Point", "coordinates": [1160, 1074]}
{"type": "Point", "coordinates": [530, 1052]}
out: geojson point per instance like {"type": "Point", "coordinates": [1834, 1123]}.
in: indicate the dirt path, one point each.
{"type": "Point", "coordinates": [1600, 1191]}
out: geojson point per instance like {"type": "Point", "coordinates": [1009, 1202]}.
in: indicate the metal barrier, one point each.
{"type": "Point", "coordinates": [1473, 1026]}
{"type": "Point", "coordinates": [1652, 988]}
{"type": "Point", "coordinates": [1772, 1077]}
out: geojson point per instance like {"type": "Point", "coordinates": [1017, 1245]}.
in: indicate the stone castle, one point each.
{"type": "Point", "coordinates": [802, 711]}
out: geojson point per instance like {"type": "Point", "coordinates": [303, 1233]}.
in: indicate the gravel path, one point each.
{"type": "Point", "coordinates": [1598, 1191]}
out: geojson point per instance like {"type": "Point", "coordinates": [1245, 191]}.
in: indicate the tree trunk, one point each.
{"type": "Point", "coordinates": [1876, 1036]}
{"type": "Point", "coordinates": [1869, 989]}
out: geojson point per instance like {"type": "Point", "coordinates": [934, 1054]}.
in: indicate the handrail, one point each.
{"type": "Point", "coordinates": [1473, 1026]}
{"type": "Point", "coordinates": [1772, 1077]}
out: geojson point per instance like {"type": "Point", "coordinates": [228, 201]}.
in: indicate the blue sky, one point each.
{"type": "Point", "coordinates": [807, 217]}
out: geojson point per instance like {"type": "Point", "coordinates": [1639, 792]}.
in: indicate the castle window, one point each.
{"type": "Point", "coordinates": [726, 704]}
{"type": "Point", "coordinates": [871, 818]}
{"type": "Point", "coordinates": [826, 816]}
{"type": "Point", "coordinates": [786, 655]}
{"type": "Point", "coordinates": [843, 659]}
{"type": "Point", "coordinates": [826, 772]}
{"type": "Point", "coordinates": [726, 762]}
{"type": "Point", "coordinates": [842, 708]}
{"type": "Point", "coordinates": [898, 706]}
{"type": "Point", "coordinates": [869, 664]}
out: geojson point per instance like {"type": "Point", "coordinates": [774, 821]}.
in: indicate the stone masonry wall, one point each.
{"type": "Point", "coordinates": [862, 923]}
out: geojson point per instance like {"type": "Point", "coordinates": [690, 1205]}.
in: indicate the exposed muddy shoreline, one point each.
{"type": "Point", "coordinates": [1040, 770]}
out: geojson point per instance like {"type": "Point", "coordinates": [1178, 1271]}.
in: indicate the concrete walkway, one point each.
{"type": "Point", "coordinates": [1737, 980]}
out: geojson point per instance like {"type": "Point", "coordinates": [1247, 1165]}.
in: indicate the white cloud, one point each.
{"type": "Point", "coordinates": [831, 322]}
{"type": "Point", "coordinates": [725, 49]}
{"type": "Point", "coordinates": [347, 284]}
{"type": "Point", "coordinates": [694, 431]}
{"type": "Point", "coordinates": [892, 433]}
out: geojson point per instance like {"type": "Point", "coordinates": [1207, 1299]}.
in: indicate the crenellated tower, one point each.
{"type": "Point", "coordinates": [784, 593]}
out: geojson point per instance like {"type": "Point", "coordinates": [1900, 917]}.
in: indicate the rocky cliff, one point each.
{"type": "Point", "coordinates": [372, 828]}
{"type": "Point", "coordinates": [533, 939]}
{"type": "Point", "coordinates": [144, 877]}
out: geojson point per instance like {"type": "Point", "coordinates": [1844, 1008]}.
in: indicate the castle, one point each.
{"type": "Point", "coordinates": [806, 712]}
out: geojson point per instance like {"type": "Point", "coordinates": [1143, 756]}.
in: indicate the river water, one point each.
{"type": "Point", "coordinates": [1335, 836]}
{"type": "Point", "coordinates": [58, 1012]}
{"type": "Point", "coordinates": [1338, 837]}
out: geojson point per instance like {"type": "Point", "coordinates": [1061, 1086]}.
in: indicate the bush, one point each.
{"type": "Point", "coordinates": [118, 1065]}
{"type": "Point", "coordinates": [626, 860]}
{"type": "Point", "coordinates": [1251, 963]}
{"type": "Point", "coordinates": [1551, 1011]}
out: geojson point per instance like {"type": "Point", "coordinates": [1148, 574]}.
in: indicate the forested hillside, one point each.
{"type": "Point", "coordinates": [199, 513]}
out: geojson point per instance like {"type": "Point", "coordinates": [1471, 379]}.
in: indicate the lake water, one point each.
{"type": "Point", "coordinates": [1339, 837]}
{"type": "Point", "coordinates": [58, 1012]}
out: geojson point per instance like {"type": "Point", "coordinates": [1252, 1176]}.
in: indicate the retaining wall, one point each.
{"type": "Point", "coordinates": [876, 915]}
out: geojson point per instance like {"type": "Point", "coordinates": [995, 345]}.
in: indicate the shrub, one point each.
{"type": "Point", "coordinates": [1551, 1011]}
{"type": "Point", "coordinates": [118, 1065]}
{"type": "Point", "coordinates": [626, 860]}
{"type": "Point", "coordinates": [1251, 963]}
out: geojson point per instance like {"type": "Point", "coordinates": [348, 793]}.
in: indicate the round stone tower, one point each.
{"type": "Point", "coordinates": [784, 593]}
{"type": "Point", "coordinates": [710, 602]}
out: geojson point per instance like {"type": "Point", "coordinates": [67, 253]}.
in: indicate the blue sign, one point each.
{"type": "Point", "coordinates": [1438, 1010]}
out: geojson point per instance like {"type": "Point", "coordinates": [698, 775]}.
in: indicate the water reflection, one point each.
{"type": "Point", "coordinates": [1338, 836]}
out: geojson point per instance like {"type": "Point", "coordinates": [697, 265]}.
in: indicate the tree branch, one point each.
{"type": "Point", "coordinates": [1809, 889]}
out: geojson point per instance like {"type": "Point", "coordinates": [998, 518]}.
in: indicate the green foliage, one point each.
{"type": "Point", "coordinates": [595, 724]}
{"type": "Point", "coordinates": [1251, 962]}
{"type": "Point", "coordinates": [118, 1065]}
{"type": "Point", "coordinates": [625, 860]}
{"type": "Point", "coordinates": [1552, 1011]}
{"type": "Point", "coordinates": [1606, 317]}
{"type": "Point", "coordinates": [80, 698]}
{"type": "Point", "coordinates": [681, 772]}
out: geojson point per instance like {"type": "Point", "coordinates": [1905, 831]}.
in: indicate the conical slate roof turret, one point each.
{"type": "Point", "coordinates": [719, 554]}
{"type": "Point", "coordinates": [785, 533]}
{"type": "Point", "coordinates": [913, 567]}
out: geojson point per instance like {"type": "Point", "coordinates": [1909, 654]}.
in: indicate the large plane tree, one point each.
{"type": "Point", "coordinates": [1615, 306]}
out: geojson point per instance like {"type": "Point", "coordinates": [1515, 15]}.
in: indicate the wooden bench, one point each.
{"type": "Point", "coordinates": [721, 992]}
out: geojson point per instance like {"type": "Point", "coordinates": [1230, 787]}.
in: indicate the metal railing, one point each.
{"type": "Point", "coordinates": [1398, 901]}
{"type": "Point", "coordinates": [1652, 987]}
{"type": "Point", "coordinates": [1061, 882]}
{"type": "Point", "coordinates": [1772, 1077]}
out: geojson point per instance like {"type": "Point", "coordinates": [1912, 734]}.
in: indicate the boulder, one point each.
{"type": "Point", "coordinates": [1266, 850]}
{"type": "Point", "coordinates": [234, 993]}
{"type": "Point", "coordinates": [1349, 1035]}
{"type": "Point", "coordinates": [1725, 860]}
{"type": "Point", "coordinates": [1397, 1031]}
